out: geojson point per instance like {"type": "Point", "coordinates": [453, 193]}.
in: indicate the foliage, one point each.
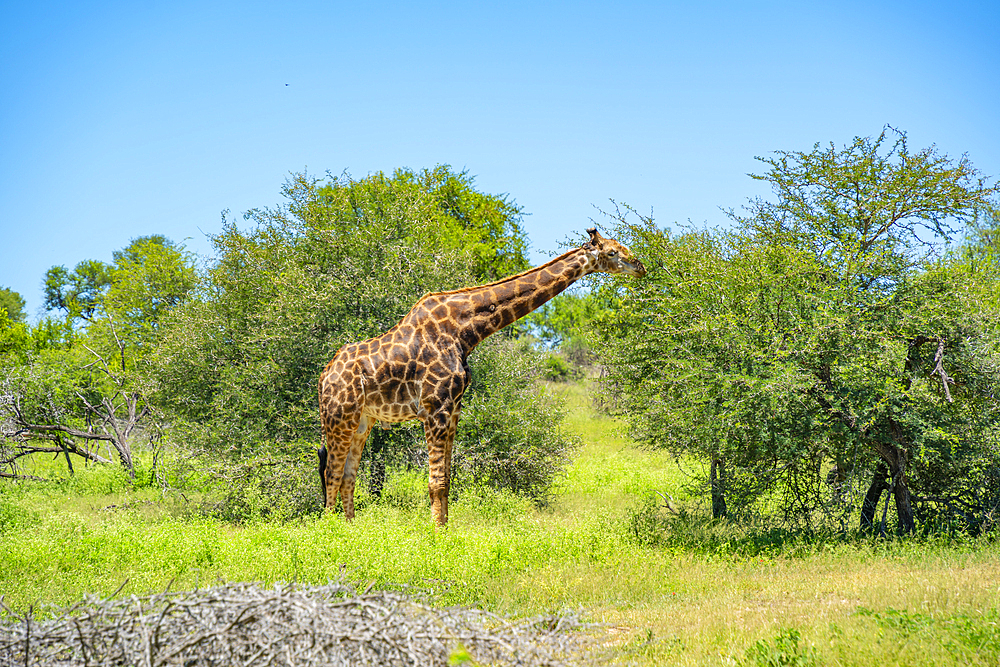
{"type": "Point", "coordinates": [15, 338]}
{"type": "Point", "coordinates": [487, 227]}
{"type": "Point", "coordinates": [264, 488]}
{"type": "Point", "coordinates": [564, 317]}
{"type": "Point", "coordinates": [556, 368]}
{"type": "Point", "coordinates": [564, 324]}
{"type": "Point", "coordinates": [149, 276]}
{"type": "Point", "coordinates": [77, 293]}
{"type": "Point", "coordinates": [76, 389]}
{"type": "Point", "coordinates": [783, 651]}
{"type": "Point", "coordinates": [12, 303]}
{"type": "Point", "coordinates": [343, 260]}
{"type": "Point", "coordinates": [510, 436]}
{"type": "Point", "coordinates": [708, 592]}
{"type": "Point", "coordinates": [816, 333]}
{"type": "Point", "coordinates": [75, 400]}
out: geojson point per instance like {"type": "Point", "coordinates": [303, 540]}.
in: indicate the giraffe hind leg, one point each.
{"type": "Point", "coordinates": [338, 443]}
{"type": "Point", "coordinates": [321, 454]}
{"type": "Point", "coordinates": [353, 458]}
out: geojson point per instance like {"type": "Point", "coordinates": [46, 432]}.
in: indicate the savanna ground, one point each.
{"type": "Point", "coordinates": [668, 588]}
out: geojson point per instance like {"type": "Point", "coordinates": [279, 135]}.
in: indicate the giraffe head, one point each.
{"type": "Point", "coordinates": [611, 256]}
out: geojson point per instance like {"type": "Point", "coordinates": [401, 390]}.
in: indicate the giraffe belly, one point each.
{"type": "Point", "coordinates": [389, 415]}
{"type": "Point", "coordinates": [392, 411]}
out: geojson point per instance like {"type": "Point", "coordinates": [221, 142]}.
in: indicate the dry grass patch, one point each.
{"type": "Point", "coordinates": [849, 611]}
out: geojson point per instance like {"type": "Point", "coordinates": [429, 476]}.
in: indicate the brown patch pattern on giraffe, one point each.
{"type": "Point", "coordinates": [418, 370]}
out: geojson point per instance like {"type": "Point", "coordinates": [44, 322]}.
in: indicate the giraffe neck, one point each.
{"type": "Point", "coordinates": [489, 308]}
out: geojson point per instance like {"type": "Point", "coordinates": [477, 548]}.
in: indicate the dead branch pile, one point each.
{"type": "Point", "coordinates": [246, 624]}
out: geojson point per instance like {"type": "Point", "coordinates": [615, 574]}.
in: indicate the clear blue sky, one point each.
{"type": "Point", "coordinates": [119, 120]}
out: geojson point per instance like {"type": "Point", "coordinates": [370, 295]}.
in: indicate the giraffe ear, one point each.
{"type": "Point", "coordinates": [595, 239]}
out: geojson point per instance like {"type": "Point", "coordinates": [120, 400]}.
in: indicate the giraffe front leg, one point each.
{"type": "Point", "coordinates": [440, 434]}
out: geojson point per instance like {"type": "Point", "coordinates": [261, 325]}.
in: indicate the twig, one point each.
{"type": "Point", "coordinates": [289, 625]}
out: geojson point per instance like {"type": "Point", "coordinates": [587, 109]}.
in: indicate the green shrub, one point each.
{"type": "Point", "coordinates": [99, 480]}
{"type": "Point", "coordinates": [495, 506]}
{"type": "Point", "coordinates": [557, 369]}
{"type": "Point", "coordinates": [266, 488]}
{"type": "Point", "coordinates": [510, 436]}
{"type": "Point", "coordinates": [784, 651]}
{"type": "Point", "coordinates": [405, 489]}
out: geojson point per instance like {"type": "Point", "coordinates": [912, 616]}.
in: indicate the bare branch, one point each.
{"type": "Point", "coordinates": [939, 370]}
{"type": "Point", "coordinates": [53, 428]}
{"type": "Point", "coordinates": [8, 475]}
{"type": "Point", "coordinates": [104, 364]}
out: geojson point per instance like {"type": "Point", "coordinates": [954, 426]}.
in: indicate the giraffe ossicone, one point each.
{"type": "Point", "coordinates": [418, 369]}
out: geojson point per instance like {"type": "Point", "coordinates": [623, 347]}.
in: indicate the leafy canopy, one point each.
{"type": "Point", "coordinates": [12, 303]}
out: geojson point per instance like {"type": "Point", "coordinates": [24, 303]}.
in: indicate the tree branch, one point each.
{"type": "Point", "coordinates": [27, 450]}
{"type": "Point", "coordinates": [50, 428]}
{"type": "Point", "coordinates": [939, 370]}
{"type": "Point", "coordinates": [10, 475]}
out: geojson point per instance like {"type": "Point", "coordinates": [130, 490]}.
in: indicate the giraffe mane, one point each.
{"type": "Point", "coordinates": [501, 281]}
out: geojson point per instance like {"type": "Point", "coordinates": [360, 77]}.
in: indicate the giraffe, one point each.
{"type": "Point", "coordinates": [418, 369]}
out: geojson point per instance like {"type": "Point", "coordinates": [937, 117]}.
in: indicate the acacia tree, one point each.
{"type": "Point", "coordinates": [818, 331]}
{"type": "Point", "coordinates": [83, 389]}
{"type": "Point", "coordinates": [77, 293]}
{"type": "Point", "coordinates": [341, 260]}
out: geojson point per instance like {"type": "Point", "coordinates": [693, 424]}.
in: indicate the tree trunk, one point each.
{"type": "Point", "coordinates": [718, 479]}
{"type": "Point", "coordinates": [65, 450]}
{"type": "Point", "coordinates": [893, 467]}
{"type": "Point", "coordinates": [869, 507]}
{"type": "Point", "coordinates": [901, 493]}
{"type": "Point", "coordinates": [376, 462]}
{"type": "Point", "coordinates": [895, 455]}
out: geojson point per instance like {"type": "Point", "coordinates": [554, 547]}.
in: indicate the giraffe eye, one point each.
{"type": "Point", "coordinates": [612, 253]}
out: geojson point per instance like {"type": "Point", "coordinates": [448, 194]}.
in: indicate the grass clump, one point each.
{"type": "Point", "coordinates": [783, 651]}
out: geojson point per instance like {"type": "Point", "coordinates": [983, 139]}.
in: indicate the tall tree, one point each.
{"type": "Point", "coordinates": [149, 276]}
{"type": "Point", "coordinates": [12, 303]}
{"type": "Point", "coordinates": [78, 292]}
{"type": "Point", "coordinates": [89, 385]}
{"type": "Point", "coordinates": [820, 329]}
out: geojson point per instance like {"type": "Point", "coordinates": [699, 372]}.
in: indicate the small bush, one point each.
{"type": "Point", "coordinates": [784, 651]}
{"type": "Point", "coordinates": [495, 506]}
{"type": "Point", "coordinates": [510, 436]}
{"type": "Point", "coordinates": [266, 488]}
{"type": "Point", "coordinates": [405, 489]}
{"type": "Point", "coordinates": [646, 524]}
{"type": "Point", "coordinates": [653, 524]}
{"type": "Point", "coordinates": [557, 369]}
{"type": "Point", "coordinates": [579, 353]}
{"type": "Point", "coordinates": [99, 480]}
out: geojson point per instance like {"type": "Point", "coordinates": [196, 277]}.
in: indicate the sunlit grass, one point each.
{"type": "Point", "coordinates": [609, 471]}
{"type": "Point", "coordinates": [701, 594]}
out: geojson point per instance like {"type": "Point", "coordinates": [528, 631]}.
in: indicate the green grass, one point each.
{"type": "Point", "coordinates": [699, 593]}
